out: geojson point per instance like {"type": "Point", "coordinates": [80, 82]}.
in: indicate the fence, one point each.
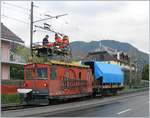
{"type": "Point", "coordinates": [10, 86]}
{"type": "Point", "coordinates": [17, 83]}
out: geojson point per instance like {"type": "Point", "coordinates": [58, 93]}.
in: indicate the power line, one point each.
{"type": "Point", "coordinates": [48, 29]}
{"type": "Point", "coordinates": [14, 10]}
{"type": "Point", "coordinates": [10, 4]}
{"type": "Point", "coordinates": [15, 6]}
{"type": "Point", "coordinates": [10, 7]}
{"type": "Point", "coordinates": [51, 17]}
{"type": "Point", "coordinates": [15, 19]}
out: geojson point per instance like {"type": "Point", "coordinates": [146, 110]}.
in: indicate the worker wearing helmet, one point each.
{"type": "Point", "coordinates": [58, 40]}
{"type": "Point", "coordinates": [65, 41]}
{"type": "Point", "coordinates": [45, 40]}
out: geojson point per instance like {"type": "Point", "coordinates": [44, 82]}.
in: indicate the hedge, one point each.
{"type": "Point", "coordinates": [7, 99]}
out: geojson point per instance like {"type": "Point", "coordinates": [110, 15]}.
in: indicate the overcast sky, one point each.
{"type": "Point", "coordinates": [123, 21]}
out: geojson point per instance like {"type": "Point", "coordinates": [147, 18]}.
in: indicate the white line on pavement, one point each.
{"type": "Point", "coordinates": [124, 111]}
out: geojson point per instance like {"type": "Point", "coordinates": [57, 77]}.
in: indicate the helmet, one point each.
{"type": "Point", "coordinates": [66, 37]}
{"type": "Point", "coordinates": [47, 36]}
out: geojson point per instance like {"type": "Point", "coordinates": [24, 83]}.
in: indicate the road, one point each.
{"type": "Point", "coordinates": [135, 106]}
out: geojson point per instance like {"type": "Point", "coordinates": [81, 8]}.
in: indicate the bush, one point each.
{"type": "Point", "coordinates": [145, 72]}
{"type": "Point", "coordinates": [17, 72]}
{"type": "Point", "coordinates": [7, 99]}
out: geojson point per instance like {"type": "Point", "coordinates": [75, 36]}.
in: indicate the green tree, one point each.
{"type": "Point", "coordinates": [23, 51]}
{"type": "Point", "coordinates": [145, 72]}
{"type": "Point", "coordinates": [17, 72]}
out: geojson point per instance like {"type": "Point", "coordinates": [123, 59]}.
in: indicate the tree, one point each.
{"type": "Point", "coordinates": [23, 51]}
{"type": "Point", "coordinates": [17, 72]}
{"type": "Point", "coordinates": [145, 72]}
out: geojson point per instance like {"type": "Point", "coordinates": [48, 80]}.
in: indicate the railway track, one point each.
{"type": "Point", "coordinates": [6, 108]}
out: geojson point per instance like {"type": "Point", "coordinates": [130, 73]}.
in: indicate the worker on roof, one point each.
{"type": "Point", "coordinates": [58, 40]}
{"type": "Point", "coordinates": [45, 40]}
{"type": "Point", "coordinates": [65, 41]}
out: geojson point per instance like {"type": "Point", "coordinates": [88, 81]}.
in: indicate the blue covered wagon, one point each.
{"type": "Point", "coordinates": [108, 78]}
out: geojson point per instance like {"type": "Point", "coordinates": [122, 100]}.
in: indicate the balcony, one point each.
{"type": "Point", "coordinates": [12, 58]}
{"type": "Point", "coordinates": [16, 58]}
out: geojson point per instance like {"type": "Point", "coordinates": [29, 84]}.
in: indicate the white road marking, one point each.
{"type": "Point", "coordinates": [124, 111]}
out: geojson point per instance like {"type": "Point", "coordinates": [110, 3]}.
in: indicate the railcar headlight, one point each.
{"type": "Point", "coordinates": [45, 84]}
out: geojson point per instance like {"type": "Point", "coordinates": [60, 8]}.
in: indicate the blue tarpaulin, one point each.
{"type": "Point", "coordinates": [110, 73]}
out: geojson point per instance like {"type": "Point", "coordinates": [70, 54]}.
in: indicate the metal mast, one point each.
{"type": "Point", "coordinates": [31, 28]}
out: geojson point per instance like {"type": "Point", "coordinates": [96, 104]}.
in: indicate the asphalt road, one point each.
{"type": "Point", "coordinates": [135, 106]}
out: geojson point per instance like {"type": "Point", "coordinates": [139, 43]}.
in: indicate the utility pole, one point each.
{"type": "Point", "coordinates": [31, 28]}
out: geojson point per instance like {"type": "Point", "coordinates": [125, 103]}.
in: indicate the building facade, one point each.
{"type": "Point", "coordinates": [117, 58]}
{"type": "Point", "coordinates": [8, 38]}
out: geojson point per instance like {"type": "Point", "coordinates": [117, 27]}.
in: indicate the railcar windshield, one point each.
{"type": "Point", "coordinates": [38, 73]}
{"type": "Point", "coordinates": [41, 73]}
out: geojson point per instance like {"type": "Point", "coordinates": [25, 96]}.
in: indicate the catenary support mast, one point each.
{"type": "Point", "coordinates": [31, 28]}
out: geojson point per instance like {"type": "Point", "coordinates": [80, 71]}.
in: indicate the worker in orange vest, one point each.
{"type": "Point", "coordinates": [58, 41]}
{"type": "Point", "coordinates": [65, 41]}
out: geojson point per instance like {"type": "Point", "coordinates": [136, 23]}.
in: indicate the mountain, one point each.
{"type": "Point", "coordinates": [81, 48]}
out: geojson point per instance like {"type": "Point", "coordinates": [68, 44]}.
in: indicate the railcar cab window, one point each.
{"type": "Point", "coordinates": [41, 73]}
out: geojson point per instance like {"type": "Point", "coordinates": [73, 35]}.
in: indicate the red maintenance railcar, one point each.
{"type": "Point", "coordinates": [55, 80]}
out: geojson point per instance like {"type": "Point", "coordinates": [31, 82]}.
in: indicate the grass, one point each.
{"type": "Point", "coordinates": [8, 99]}
{"type": "Point", "coordinates": [128, 89]}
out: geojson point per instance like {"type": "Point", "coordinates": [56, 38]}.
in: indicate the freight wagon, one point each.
{"type": "Point", "coordinates": [58, 80]}
{"type": "Point", "coordinates": [108, 78]}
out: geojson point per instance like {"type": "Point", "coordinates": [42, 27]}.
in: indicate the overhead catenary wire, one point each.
{"type": "Point", "coordinates": [15, 19]}
{"type": "Point", "coordinates": [10, 5]}
{"type": "Point", "coordinates": [16, 6]}
{"type": "Point", "coordinates": [17, 11]}
{"type": "Point", "coordinates": [14, 10]}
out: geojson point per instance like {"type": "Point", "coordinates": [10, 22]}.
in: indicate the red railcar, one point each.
{"type": "Point", "coordinates": [56, 80]}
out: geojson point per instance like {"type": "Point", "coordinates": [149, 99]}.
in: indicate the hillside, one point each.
{"type": "Point", "coordinates": [80, 49]}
